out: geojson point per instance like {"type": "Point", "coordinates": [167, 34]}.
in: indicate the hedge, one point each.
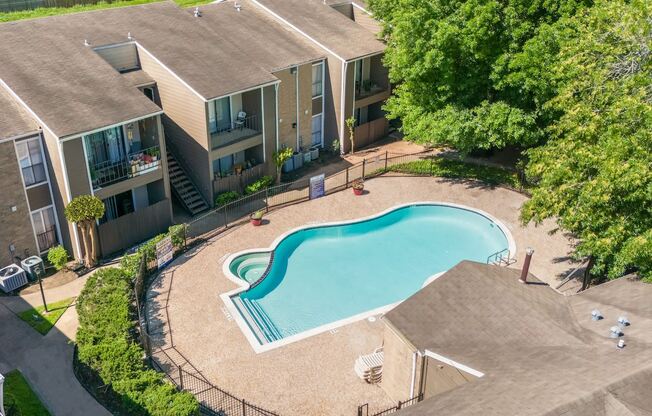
{"type": "Point", "coordinates": [106, 343]}
{"type": "Point", "coordinates": [259, 185]}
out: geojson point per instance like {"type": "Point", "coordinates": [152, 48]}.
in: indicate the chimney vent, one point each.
{"type": "Point", "coordinates": [237, 6]}
{"type": "Point", "coordinates": [623, 322]}
{"type": "Point", "coordinates": [86, 42]}
{"type": "Point", "coordinates": [596, 315]}
{"type": "Point", "coordinates": [526, 265]}
{"type": "Point", "coordinates": [197, 13]}
{"type": "Point", "coordinates": [615, 332]}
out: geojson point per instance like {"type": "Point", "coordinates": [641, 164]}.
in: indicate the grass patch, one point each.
{"type": "Point", "coordinates": [54, 11]}
{"type": "Point", "coordinates": [456, 169]}
{"type": "Point", "coordinates": [20, 399]}
{"type": "Point", "coordinates": [43, 321]}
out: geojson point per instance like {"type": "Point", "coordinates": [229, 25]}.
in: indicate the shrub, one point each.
{"type": "Point", "coordinates": [178, 234]}
{"type": "Point", "coordinates": [226, 198]}
{"type": "Point", "coordinates": [260, 185]}
{"type": "Point", "coordinates": [106, 344]}
{"type": "Point", "coordinates": [58, 256]}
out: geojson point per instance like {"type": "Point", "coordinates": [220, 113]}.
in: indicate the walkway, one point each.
{"type": "Point", "coordinates": [46, 361]}
{"type": "Point", "coordinates": [314, 376]}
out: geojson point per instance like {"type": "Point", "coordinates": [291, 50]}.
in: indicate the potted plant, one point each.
{"type": "Point", "coordinates": [257, 217]}
{"type": "Point", "coordinates": [358, 186]}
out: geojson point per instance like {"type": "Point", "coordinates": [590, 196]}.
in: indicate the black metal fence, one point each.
{"type": "Point", "coordinates": [289, 193]}
{"type": "Point", "coordinates": [364, 409]}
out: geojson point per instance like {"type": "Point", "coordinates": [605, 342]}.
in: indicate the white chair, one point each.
{"type": "Point", "coordinates": [370, 367]}
{"type": "Point", "coordinates": [240, 120]}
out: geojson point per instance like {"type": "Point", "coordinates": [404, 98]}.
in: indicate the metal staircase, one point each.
{"type": "Point", "coordinates": [184, 189]}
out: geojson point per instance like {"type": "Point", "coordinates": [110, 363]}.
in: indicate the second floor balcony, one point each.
{"type": "Point", "coordinates": [242, 127]}
{"type": "Point", "coordinates": [123, 152]}
{"type": "Point", "coordinates": [134, 164]}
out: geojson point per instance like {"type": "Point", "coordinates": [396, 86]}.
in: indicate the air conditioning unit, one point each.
{"type": "Point", "coordinates": [33, 266]}
{"type": "Point", "coordinates": [11, 278]}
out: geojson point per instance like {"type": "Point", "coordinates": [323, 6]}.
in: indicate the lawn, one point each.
{"type": "Point", "coordinates": [456, 169]}
{"type": "Point", "coordinates": [43, 321]}
{"type": "Point", "coordinates": [53, 11]}
{"type": "Point", "coordinates": [20, 399]}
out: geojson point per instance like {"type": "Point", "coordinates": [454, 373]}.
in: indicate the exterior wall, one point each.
{"type": "Point", "coordinates": [349, 96]}
{"type": "Point", "coordinates": [76, 167]}
{"type": "Point", "coordinates": [185, 123]}
{"type": "Point", "coordinates": [397, 366]}
{"type": "Point", "coordinates": [287, 109]}
{"type": "Point", "coordinates": [122, 57]}
{"type": "Point", "coordinates": [332, 103]}
{"type": "Point", "coordinates": [345, 8]}
{"type": "Point", "coordinates": [366, 21]}
{"type": "Point", "coordinates": [305, 105]}
{"type": "Point", "coordinates": [441, 377]}
{"type": "Point", "coordinates": [269, 110]}
{"type": "Point", "coordinates": [16, 225]}
{"type": "Point", "coordinates": [39, 197]}
{"type": "Point", "coordinates": [58, 180]}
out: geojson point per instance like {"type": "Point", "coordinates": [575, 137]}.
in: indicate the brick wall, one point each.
{"type": "Point", "coordinates": [16, 226]}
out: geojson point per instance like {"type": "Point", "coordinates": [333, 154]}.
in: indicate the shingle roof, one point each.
{"type": "Point", "coordinates": [273, 45]}
{"type": "Point", "coordinates": [540, 352]}
{"type": "Point", "coordinates": [327, 26]}
{"type": "Point", "coordinates": [14, 121]}
{"type": "Point", "coordinates": [73, 90]}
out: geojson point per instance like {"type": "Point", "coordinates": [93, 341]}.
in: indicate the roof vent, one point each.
{"type": "Point", "coordinates": [86, 42]}
{"type": "Point", "coordinates": [237, 6]}
{"type": "Point", "coordinates": [623, 322]}
{"type": "Point", "coordinates": [615, 332]}
{"type": "Point", "coordinates": [621, 343]}
{"type": "Point", "coordinates": [596, 315]}
{"type": "Point", "coordinates": [129, 36]}
{"type": "Point", "coordinates": [197, 13]}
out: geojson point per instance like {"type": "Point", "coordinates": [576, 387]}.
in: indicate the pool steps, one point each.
{"type": "Point", "coordinates": [257, 320]}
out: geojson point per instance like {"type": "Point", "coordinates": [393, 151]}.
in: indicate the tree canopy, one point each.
{"type": "Point", "coordinates": [84, 208]}
{"type": "Point", "coordinates": [464, 79]}
{"type": "Point", "coordinates": [595, 172]}
{"type": "Point", "coordinates": [570, 80]}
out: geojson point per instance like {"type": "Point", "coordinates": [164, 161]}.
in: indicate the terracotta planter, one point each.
{"type": "Point", "coordinates": [256, 221]}
{"type": "Point", "coordinates": [358, 192]}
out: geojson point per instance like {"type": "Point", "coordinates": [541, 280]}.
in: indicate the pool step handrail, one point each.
{"type": "Point", "coordinates": [499, 258]}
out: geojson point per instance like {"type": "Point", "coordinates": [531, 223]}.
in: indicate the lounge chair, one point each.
{"type": "Point", "coordinates": [370, 367]}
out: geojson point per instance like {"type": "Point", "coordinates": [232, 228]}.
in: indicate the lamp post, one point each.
{"type": "Point", "coordinates": [38, 270]}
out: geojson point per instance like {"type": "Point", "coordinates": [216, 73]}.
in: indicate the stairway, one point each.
{"type": "Point", "coordinates": [183, 188]}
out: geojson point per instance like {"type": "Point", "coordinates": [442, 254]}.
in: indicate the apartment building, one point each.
{"type": "Point", "coordinates": [28, 219]}
{"type": "Point", "coordinates": [101, 135]}
{"type": "Point", "coordinates": [135, 105]}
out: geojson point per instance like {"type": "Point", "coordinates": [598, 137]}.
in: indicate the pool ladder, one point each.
{"type": "Point", "coordinates": [500, 258]}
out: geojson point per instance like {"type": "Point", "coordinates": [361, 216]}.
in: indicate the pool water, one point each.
{"type": "Point", "coordinates": [325, 274]}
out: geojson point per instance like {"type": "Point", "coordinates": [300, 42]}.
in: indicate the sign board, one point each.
{"type": "Point", "coordinates": [317, 187]}
{"type": "Point", "coordinates": [164, 252]}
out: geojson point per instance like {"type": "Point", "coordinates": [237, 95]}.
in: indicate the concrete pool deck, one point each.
{"type": "Point", "coordinates": [314, 376]}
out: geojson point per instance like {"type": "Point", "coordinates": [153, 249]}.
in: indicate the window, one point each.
{"type": "Point", "coordinates": [117, 205]}
{"type": "Point", "coordinates": [316, 130]}
{"type": "Point", "coordinates": [45, 228]}
{"type": "Point", "coordinates": [219, 115]}
{"type": "Point", "coordinates": [30, 159]}
{"type": "Point", "coordinates": [317, 79]}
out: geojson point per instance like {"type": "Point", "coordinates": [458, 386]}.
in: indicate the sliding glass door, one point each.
{"type": "Point", "coordinates": [105, 147]}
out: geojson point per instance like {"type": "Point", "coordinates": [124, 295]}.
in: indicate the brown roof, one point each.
{"type": "Point", "coordinates": [14, 120]}
{"type": "Point", "coordinates": [137, 78]}
{"type": "Point", "coordinates": [253, 31]}
{"type": "Point", "coordinates": [73, 90]}
{"type": "Point", "coordinates": [327, 26]}
{"type": "Point", "coordinates": [540, 352]}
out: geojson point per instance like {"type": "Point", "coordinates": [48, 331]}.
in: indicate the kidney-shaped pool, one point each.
{"type": "Point", "coordinates": [316, 278]}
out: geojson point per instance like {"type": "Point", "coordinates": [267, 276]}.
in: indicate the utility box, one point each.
{"type": "Point", "coordinates": [34, 267]}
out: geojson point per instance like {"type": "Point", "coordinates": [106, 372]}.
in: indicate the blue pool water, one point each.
{"type": "Point", "coordinates": [324, 274]}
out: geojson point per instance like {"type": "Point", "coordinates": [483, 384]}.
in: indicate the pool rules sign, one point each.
{"type": "Point", "coordinates": [164, 252]}
{"type": "Point", "coordinates": [317, 187]}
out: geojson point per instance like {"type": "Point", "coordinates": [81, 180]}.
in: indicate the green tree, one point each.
{"type": "Point", "coordinates": [463, 79]}
{"type": "Point", "coordinates": [350, 125]}
{"type": "Point", "coordinates": [595, 173]}
{"type": "Point", "coordinates": [280, 157]}
{"type": "Point", "coordinates": [84, 210]}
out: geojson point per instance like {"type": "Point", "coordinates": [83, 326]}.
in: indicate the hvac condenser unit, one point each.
{"type": "Point", "coordinates": [11, 278]}
{"type": "Point", "coordinates": [31, 264]}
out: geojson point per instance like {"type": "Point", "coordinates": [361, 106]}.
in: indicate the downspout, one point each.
{"type": "Point", "coordinates": [276, 110]}
{"type": "Point", "coordinates": [343, 106]}
{"type": "Point", "coordinates": [414, 372]}
{"type": "Point", "coordinates": [296, 90]}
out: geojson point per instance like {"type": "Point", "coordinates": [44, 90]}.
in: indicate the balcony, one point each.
{"type": "Point", "coordinates": [135, 164]}
{"type": "Point", "coordinates": [236, 131]}
{"type": "Point", "coordinates": [46, 240]}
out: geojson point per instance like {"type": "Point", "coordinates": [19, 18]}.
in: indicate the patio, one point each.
{"type": "Point", "coordinates": [313, 376]}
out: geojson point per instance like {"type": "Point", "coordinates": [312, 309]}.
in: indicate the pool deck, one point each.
{"type": "Point", "coordinates": [314, 376]}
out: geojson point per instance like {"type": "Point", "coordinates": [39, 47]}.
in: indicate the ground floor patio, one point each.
{"type": "Point", "coordinates": [313, 376]}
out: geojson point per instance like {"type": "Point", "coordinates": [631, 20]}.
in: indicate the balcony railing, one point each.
{"type": "Point", "coordinates": [137, 163]}
{"type": "Point", "coordinates": [368, 88]}
{"type": "Point", "coordinates": [47, 239]}
{"type": "Point", "coordinates": [236, 130]}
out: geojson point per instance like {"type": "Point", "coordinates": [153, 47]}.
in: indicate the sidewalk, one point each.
{"type": "Point", "coordinates": [46, 361]}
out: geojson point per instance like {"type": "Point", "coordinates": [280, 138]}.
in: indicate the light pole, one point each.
{"type": "Point", "coordinates": [38, 270]}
